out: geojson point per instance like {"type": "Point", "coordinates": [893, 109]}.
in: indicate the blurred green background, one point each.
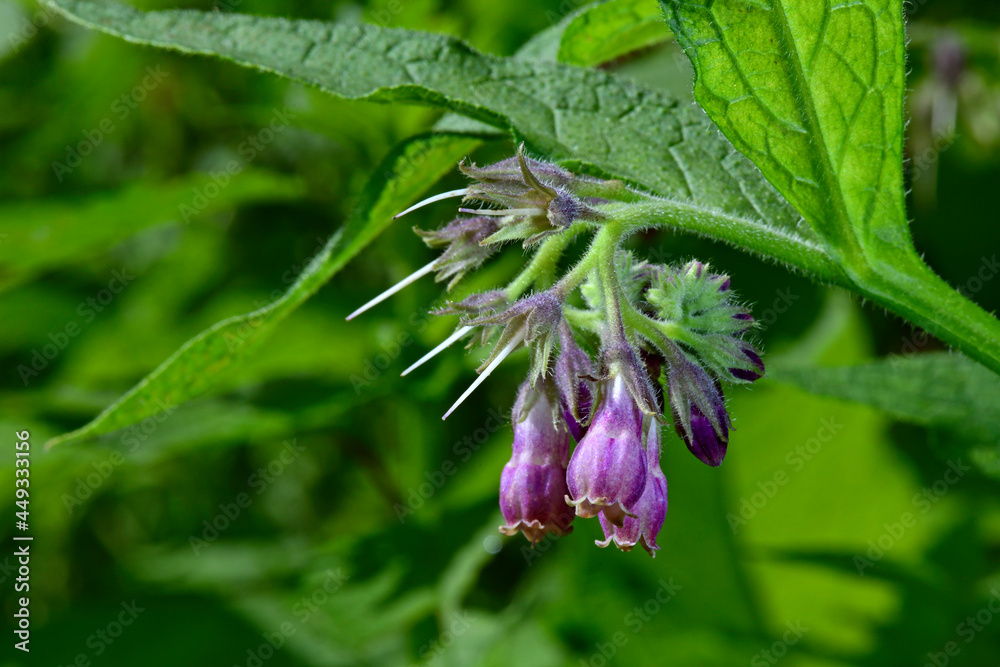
{"type": "Point", "coordinates": [267, 514]}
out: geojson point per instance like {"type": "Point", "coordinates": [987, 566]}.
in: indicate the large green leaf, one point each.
{"type": "Point", "coordinates": [812, 92]}
{"type": "Point", "coordinates": [586, 117]}
{"type": "Point", "coordinates": [946, 392]}
{"type": "Point", "coordinates": [203, 360]}
{"type": "Point", "coordinates": [39, 235]}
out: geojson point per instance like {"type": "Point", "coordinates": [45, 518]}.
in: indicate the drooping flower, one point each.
{"type": "Point", "coordinates": [608, 469]}
{"type": "Point", "coordinates": [533, 483]}
{"type": "Point", "coordinates": [649, 511]}
{"type": "Point", "coordinates": [699, 410]}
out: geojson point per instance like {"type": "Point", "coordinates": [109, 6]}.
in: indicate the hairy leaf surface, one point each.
{"type": "Point", "coordinates": [583, 116]}
{"type": "Point", "coordinates": [812, 92]}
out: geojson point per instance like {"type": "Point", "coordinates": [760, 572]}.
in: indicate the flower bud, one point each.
{"type": "Point", "coordinates": [752, 371]}
{"type": "Point", "coordinates": [650, 510]}
{"type": "Point", "coordinates": [701, 303]}
{"type": "Point", "coordinates": [699, 411]}
{"type": "Point", "coordinates": [464, 251]}
{"type": "Point", "coordinates": [536, 198]}
{"type": "Point", "coordinates": [532, 321]}
{"type": "Point", "coordinates": [608, 469]}
{"type": "Point", "coordinates": [533, 483]}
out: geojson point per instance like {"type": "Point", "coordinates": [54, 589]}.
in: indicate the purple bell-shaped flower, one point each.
{"type": "Point", "coordinates": [608, 470]}
{"type": "Point", "coordinates": [650, 510]}
{"type": "Point", "coordinates": [533, 483]}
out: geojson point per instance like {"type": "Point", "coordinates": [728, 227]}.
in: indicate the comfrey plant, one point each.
{"type": "Point", "coordinates": [796, 157]}
{"type": "Point", "coordinates": [665, 338]}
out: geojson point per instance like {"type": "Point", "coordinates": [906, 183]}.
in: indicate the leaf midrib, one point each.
{"type": "Point", "coordinates": [831, 182]}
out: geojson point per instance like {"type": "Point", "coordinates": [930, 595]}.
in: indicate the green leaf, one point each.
{"type": "Point", "coordinates": [812, 92]}
{"type": "Point", "coordinates": [946, 392]}
{"type": "Point", "coordinates": [604, 31]}
{"type": "Point", "coordinates": [582, 38]}
{"type": "Point", "coordinates": [587, 117]}
{"type": "Point", "coordinates": [203, 360]}
{"type": "Point", "coordinates": [38, 235]}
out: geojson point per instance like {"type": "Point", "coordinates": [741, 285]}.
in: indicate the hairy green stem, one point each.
{"type": "Point", "coordinates": [543, 263]}
{"type": "Point", "coordinates": [605, 246]}
{"type": "Point", "coordinates": [749, 234]}
{"type": "Point", "coordinates": [909, 288]}
{"type": "Point", "coordinates": [913, 290]}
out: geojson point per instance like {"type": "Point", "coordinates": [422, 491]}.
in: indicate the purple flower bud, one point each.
{"type": "Point", "coordinates": [702, 439]}
{"type": "Point", "coordinates": [744, 317]}
{"type": "Point", "coordinates": [533, 483]}
{"type": "Point", "coordinates": [650, 510]}
{"type": "Point", "coordinates": [699, 411]}
{"type": "Point", "coordinates": [694, 267]}
{"type": "Point", "coordinates": [749, 374]}
{"type": "Point", "coordinates": [573, 370]}
{"type": "Point", "coordinates": [608, 469]}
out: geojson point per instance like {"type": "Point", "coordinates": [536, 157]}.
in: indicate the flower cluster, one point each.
{"type": "Point", "coordinates": [662, 342]}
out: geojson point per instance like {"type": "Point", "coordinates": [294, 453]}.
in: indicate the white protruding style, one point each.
{"type": "Point", "coordinates": [515, 341]}
{"type": "Point", "coordinates": [431, 200]}
{"type": "Point", "coordinates": [413, 277]}
{"type": "Point", "coordinates": [461, 331]}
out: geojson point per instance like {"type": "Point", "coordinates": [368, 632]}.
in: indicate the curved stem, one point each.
{"type": "Point", "coordinates": [902, 282]}
{"type": "Point", "coordinates": [544, 261]}
{"type": "Point", "coordinates": [577, 274]}
{"type": "Point", "coordinates": [650, 328]}
{"type": "Point", "coordinates": [605, 245]}
{"type": "Point", "coordinates": [591, 320]}
{"type": "Point", "coordinates": [914, 291]}
{"type": "Point", "coordinates": [750, 234]}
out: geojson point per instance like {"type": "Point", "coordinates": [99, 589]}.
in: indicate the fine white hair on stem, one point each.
{"type": "Point", "coordinates": [461, 331]}
{"type": "Point", "coordinates": [511, 346]}
{"type": "Point", "coordinates": [416, 275]}
{"type": "Point", "coordinates": [431, 200]}
{"type": "Point", "coordinates": [503, 212]}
